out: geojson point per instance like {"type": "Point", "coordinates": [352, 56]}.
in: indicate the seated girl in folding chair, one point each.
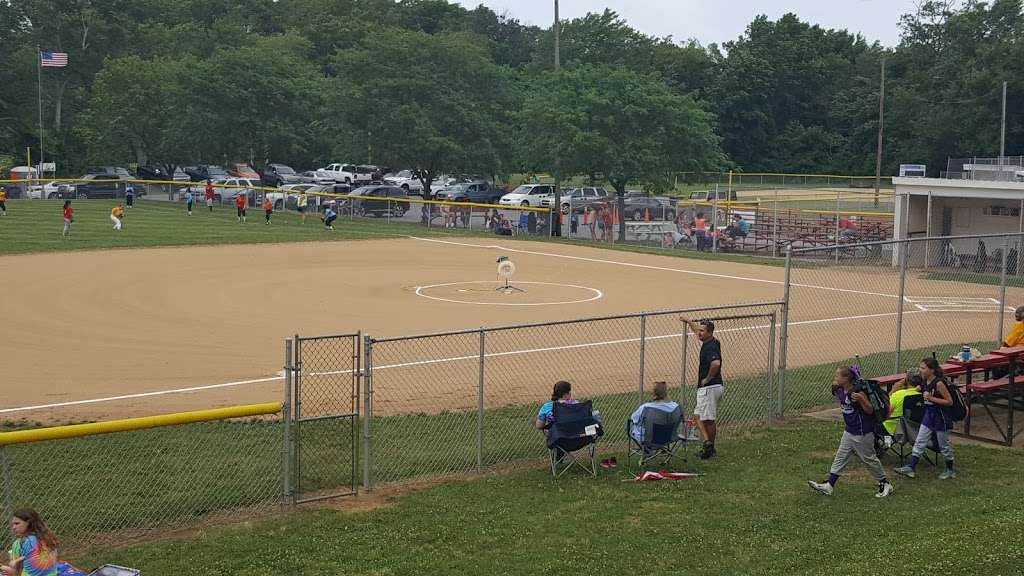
{"type": "Point", "coordinates": [562, 393]}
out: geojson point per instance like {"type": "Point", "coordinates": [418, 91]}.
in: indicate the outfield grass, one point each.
{"type": "Point", "coordinates": [750, 513]}
{"type": "Point", "coordinates": [973, 278]}
{"type": "Point", "coordinates": [35, 226]}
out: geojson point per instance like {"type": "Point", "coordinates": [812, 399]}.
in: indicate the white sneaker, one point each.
{"type": "Point", "coordinates": [823, 487]}
{"type": "Point", "coordinates": [884, 489]}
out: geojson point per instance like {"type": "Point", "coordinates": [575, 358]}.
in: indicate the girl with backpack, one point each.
{"type": "Point", "coordinates": [858, 436]}
{"type": "Point", "coordinates": [937, 422]}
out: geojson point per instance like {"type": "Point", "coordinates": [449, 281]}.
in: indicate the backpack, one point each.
{"type": "Point", "coordinates": [958, 411]}
{"type": "Point", "coordinates": [877, 396]}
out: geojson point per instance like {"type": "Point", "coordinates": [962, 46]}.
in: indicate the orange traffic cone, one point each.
{"type": "Point", "coordinates": [647, 215]}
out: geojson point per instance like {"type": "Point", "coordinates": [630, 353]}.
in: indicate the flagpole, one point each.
{"type": "Point", "coordinates": [39, 86]}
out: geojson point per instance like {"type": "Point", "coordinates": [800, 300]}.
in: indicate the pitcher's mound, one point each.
{"type": "Point", "coordinates": [494, 293]}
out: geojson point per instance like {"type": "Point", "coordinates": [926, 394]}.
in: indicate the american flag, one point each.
{"type": "Point", "coordinates": [53, 59]}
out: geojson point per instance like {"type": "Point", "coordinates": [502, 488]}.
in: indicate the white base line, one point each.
{"type": "Point", "coordinates": [142, 395]}
{"type": "Point", "coordinates": [420, 363]}
{"type": "Point", "coordinates": [651, 267]}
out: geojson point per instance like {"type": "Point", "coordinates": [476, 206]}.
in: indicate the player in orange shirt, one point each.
{"type": "Point", "coordinates": [268, 207]}
{"type": "Point", "coordinates": [240, 204]}
{"type": "Point", "coordinates": [116, 214]}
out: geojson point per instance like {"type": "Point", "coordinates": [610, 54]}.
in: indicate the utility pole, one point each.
{"type": "Point", "coordinates": [1002, 131]}
{"type": "Point", "coordinates": [555, 218]}
{"type": "Point", "coordinates": [881, 131]}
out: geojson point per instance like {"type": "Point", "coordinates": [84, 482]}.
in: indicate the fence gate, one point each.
{"type": "Point", "coordinates": [324, 399]}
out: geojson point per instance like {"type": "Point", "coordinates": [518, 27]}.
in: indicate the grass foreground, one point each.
{"type": "Point", "coordinates": [750, 512]}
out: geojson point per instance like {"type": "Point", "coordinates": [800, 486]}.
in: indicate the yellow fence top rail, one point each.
{"type": "Point", "coordinates": [128, 424]}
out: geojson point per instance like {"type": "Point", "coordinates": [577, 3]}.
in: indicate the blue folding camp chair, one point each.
{"type": "Point", "coordinates": [572, 437]}
{"type": "Point", "coordinates": [658, 437]}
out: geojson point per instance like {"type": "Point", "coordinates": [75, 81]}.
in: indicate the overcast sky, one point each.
{"type": "Point", "coordinates": [718, 20]}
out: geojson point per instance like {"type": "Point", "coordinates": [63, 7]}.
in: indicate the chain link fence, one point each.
{"type": "Point", "coordinates": [892, 303]}
{"type": "Point", "coordinates": [106, 489]}
{"type": "Point", "coordinates": [463, 401]}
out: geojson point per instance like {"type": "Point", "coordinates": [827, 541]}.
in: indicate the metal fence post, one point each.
{"type": "Point", "coordinates": [784, 334]}
{"type": "Point", "coordinates": [771, 368]}
{"type": "Point", "coordinates": [682, 367]}
{"type": "Point", "coordinates": [643, 344]}
{"type": "Point", "coordinates": [902, 249]}
{"type": "Point", "coordinates": [367, 411]}
{"type": "Point", "coordinates": [1002, 291]}
{"type": "Point", "coordinates": [5, 469]}
{"type": "Point", "coordinates": [775, 225]}
{"type": "Point", "coordinates": [838, 197]}
{"type": "Point", "coordinates": [480, 408]}
{"type": "Point", "coordinates": [286, 408]}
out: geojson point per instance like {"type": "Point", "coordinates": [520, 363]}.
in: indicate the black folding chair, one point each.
{"type": "Point", "coordinates": [572, 437]}
{"type": "Point", "coordinates": [906, 432]}
{"type": "Point", "coordinates": [660, 437]}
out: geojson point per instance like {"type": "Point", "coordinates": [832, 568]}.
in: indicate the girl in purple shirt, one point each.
{"type": "Point", "coordinates": [936, 422]}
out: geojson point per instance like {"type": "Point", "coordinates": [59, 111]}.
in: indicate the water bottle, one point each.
{"type": "Point", "coordinates": [965, 353]}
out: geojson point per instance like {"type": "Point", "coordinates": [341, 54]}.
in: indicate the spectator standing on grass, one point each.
{"type": "Point", "coordinates": [606, 222]}
{"type": "Point", "coordinates": [700, 230]}
{"type": "Point", "coordinates": [595, 222]}
{"type": "Point", "coordinates": [3, 201]}
{"type": "Point", "coordinates": [69, 217]}
{"type": "Point", "coordinates": [937, 421]}
{"type": "Point", "coordinates": [209, 195]}
{"type": "Point", "coordinates": [531, 222]}
{"type": "Point", "coordinates": [129, 194]}
{"type": "Point", "coordinates": [34, 549]}
{"type": "Point", "coordinates": [858, 438]}
{"type": "Point", "coordinates": [709, 383]}
{"type": "Point", "coordinates": [116, 214]}
{"type": "Point", "coordinates": [240, 205]}
{"type": "Point", "coordinates": [188, 200]}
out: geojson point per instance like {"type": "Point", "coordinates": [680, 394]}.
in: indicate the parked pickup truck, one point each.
{"type": "Point", "coordinates": [341, 173]}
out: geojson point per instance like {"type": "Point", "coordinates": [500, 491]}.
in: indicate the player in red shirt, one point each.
{"type": "Point", "coordinates": [268, 207]}
{"type": "Point", "coordinates": [69, 217]}
{"type": "Point", "coordinates": [209, 195]}
{"type": "Point", "coordinates": [240, 204]}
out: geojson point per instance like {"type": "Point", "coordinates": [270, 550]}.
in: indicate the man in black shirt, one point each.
{"type": "Point", "coordinates": [709, 384]}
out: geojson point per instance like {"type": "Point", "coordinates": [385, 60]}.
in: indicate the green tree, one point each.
{"type": "Point", "coordinates": [435, 103]}
{"type": "Point", "coordinates": [611, 121]}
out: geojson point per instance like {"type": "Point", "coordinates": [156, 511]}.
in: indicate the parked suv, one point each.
{"type": "Point", "coordinates": [379, 200]}
{"type": "Point", "coordinates": [367, 174]}
{"type": "Point", "coordinates": [280, 174]}
{"type": "Point", "coordinates": [532, 195]}
{"type": "Point", "coordinates": [480, 192]}
{"type": "Point", "coordinates": [205, 172]}
{"type": "Point", "coordinates": [577, 199]}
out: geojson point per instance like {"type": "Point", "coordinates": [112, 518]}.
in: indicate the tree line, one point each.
{"type": "Point", "coordinates": [433, 85]}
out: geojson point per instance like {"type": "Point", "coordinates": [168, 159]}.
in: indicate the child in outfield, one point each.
{"type": "Point", "coordinates": [3, 201]}
{"type": "Point", "coordinates": [188, 200]}
{"type": "Point", "coordinates": [858, 437]}
{"type": "Point", "coordinates": [937, 420]}
{"type": "Point", "coordinates": [69, 217]}
{"type": "Point", "coordinates": [116, 214]}
{"type": "Point", "coordinates": [300, 204]}
{"type": "Point", "coordinates": [240, 206]}
{"type": "Point", "coordinates": [209, 195]}
{"type": "Point", "coordinates": [329, 217]}
{"type": "Point", "coordinates": [268, 208]}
